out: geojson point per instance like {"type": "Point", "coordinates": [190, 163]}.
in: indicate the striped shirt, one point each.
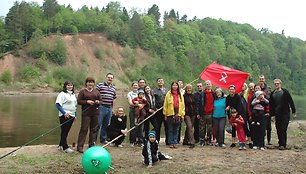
{"type": "Point", "coordinates": [108, 94]}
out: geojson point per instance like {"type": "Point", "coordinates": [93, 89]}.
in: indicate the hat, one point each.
{"type": "Point", "coordinates": [140, 91]}
{"type": "Point", "coordinates": [152, 133]}
{"type": "Point", "coordinates": [258, 93]}
{"type": "Point", "coordinates": [218, 89]}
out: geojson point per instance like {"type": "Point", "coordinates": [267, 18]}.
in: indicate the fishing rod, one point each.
{"type": "Point", "coordinates": [141, 121]}
{"type": "Point", "coordinates": [46, 133]}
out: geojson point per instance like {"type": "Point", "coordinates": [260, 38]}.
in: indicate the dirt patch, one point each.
{"type": "Point", "coordinates": [208, 159]}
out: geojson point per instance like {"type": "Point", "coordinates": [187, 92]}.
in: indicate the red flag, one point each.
{"type": "Point", "coordinates": [222, 76]}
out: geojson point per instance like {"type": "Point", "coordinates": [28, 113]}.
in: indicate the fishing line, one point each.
{"type": "Point", "coordinates": [46, 133]}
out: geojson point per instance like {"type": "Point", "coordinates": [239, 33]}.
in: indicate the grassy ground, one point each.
{"type": "Point", "coordinates": [208, 159]}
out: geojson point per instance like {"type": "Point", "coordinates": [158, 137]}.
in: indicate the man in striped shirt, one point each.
{"type": "Point", "coordinates": [108, 95]}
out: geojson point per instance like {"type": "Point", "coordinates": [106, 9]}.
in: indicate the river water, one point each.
{"type": "Point", "coordinates": [26, 116]}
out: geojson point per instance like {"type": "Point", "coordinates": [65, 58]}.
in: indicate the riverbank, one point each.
{"type": "Point", "coordinates": [208, 159]}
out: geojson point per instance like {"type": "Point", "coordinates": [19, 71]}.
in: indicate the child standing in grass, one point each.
{"type": "Point", "coordinates": [238, 122]}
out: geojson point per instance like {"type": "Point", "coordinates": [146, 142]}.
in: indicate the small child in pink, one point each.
{"type": "Point", "coordinates": [238, 122]}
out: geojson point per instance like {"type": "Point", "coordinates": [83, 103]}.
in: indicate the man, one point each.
{"type": "Point", "coordinates": [267, 91]}
{"type": "Point", "coordinates": [108, 95]}
{"type": "Point", "coordinates": [159, 93]}
{"type": "Point", "coordinates": [142, 84]}
{"type": "Point", "coordinates": [280, 104]}
{"type": "Point", "coordinates": [196, 96]}
{"type": "Point", "coordinates": [233, 100]}
{"type": "Point", "coordinates": [204, 111]}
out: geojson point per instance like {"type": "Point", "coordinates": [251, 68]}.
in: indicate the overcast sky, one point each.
{"type": "Point", "coordinates": [276, 15]}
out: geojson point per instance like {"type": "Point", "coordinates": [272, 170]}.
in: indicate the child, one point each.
{"type": "Point", "coordinates": [238, 122]}
{"type": "Point", "coordinates": [259, 105]}
{"type": "Point", "coordinates": [139, 103]}
{"type": "Point", "coordinates": [151, 152]}
{"type": "Point", "coordinates": [117, 127]}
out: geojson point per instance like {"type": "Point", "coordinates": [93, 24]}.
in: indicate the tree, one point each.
{"type": "Point", "coordinates": [154, 10]}
{"type": "Point", "coordinates": [50, 8]}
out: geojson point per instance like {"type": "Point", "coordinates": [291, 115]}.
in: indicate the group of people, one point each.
{"type": "Point", "coordinates": [204, 112]}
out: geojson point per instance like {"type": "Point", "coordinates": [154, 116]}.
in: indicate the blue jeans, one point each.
{"type": "Point", "coordinates": [104, 121]}
{"type": "Point", "coordinates": [173, 131]}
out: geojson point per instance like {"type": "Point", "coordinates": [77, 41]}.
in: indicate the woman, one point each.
{"type": "Point", "coordinates": [90, 99]}
{"type": "Point", "coordinates": [66, 103]}
{"type": "Point", "coordinates": [130, 96]}
{"type": "Point", "coordinates": [219, 116]}
{"type": "Point", "coordinates": [189, 116]}
{"type": "Point", "coordinates": [174, 111]}
{"type": "Point", "coordinates": [150, 109]}
{"type": "Point", "coordinates": [117, 127]}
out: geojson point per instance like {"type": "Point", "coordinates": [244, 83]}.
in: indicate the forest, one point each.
{"type": "Point", "coordinates": [180, 48]}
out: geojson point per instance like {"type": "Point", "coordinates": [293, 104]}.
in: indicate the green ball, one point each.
{"type": "Point", "coordinates": [96, 160]}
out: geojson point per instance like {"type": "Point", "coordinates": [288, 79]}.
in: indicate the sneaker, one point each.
{"type": "Point", "coordinates": [240, 148]}
{"type": "Point", "coordinates": [132, 144]}
{"type": "Point", "coordinates": [258, 123]}
{"type": "Point", "coordinates": [105, 142]}
{"type": "Point", "coordinates": [60, 148]}
{"type": "Point", "coordinates": [202, 143]}
{"type": "Point", "coordinates": [167, 156]}
{"type": "Point", "coordinates": [244, 148]}
{"type": "Point", "coordinates": [120, 145]}
{"type": "Point", "coordinates": [223, 146]}
{"type": "Point", "coordinates": [191, 146]}
{"type": "Point", "coordinates": [233, 145]}
{"type": "Point", "coordinates": [281, 148]}
{"type": "Point", "coordinates": [254, 147]}
{"type": "Point", "coordinates": [80, 150]}
{"type": "Point", "coordinates": [253, 123]}
{"type": "Point", "coordinates": [262, 148]}
{"type": "Point", "coordinates": [250, 145]}
{"type": "Point", "coordinates": [112, 144]}
{"type": "Point", "coordinates": [68, 150]}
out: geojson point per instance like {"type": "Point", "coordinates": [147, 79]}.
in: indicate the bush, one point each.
{"type": "Point", "coordinates": [6, 77]}
{"type": "Point", "coordinates": [29, 72]}
{"type": "Point", "coordinates": [99, 53]}
{"type": "Point", "coordinates": [42, 62]}
{"type": "Point", "coordinates": [59, 52]}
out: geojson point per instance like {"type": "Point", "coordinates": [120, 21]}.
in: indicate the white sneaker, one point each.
{"type": "Point", "coordinates": [258, 123]}
{"type": "Point", "coordinates": [262, 148]}
{"type": "Point", "coordinates": [68, 150]}
{"type": "Point", "coordinates": [223, 146]}
{"type": "Point", "coordinates": [253, 122]}
{"type": "Point", "coordinates": [112, 144]}
{"type": "Point", "coordinates": [120, 145]}
{"type": "Point", "coordinates": [254, 147]}
{"type": "Point", "coordinates": [60, 148]}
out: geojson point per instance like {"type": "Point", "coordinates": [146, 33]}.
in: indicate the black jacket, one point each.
{"type": "Point", "coordinates": [286, 103]}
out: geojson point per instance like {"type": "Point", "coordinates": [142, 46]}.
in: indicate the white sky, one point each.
{"type": "Point", "coordinates": [276, 15]}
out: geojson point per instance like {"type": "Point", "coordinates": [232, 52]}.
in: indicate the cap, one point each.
{"type": "Point", "coordinates": [257, 93]}
{"type": "Point", "coordinates": [140, 91]}
{"type": "Point", "coordinates": [152, 133]}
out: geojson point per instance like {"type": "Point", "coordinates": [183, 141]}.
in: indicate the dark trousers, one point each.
{"type": "Point", "coordinates": [259, 130]}
{"type": "Point", "coordinates": [113, 135]}
{"type": "Point", "coordinates": [151, 120]}
{"type": "Point", "coordinates": [160, 118]}
{"type": "Point", "coordinates": [90, 122]}
{"type": "Point", "coordinates": [281, 124]}
{"type": "Point", "coordinates": [219, 127]}
{"type": "Point", "coordinates": [268, 128]}
{"type": "Point", "coordinates": [132, 124]}
{"type": "Point", "coordinates": [189, 137]}
{"type": "Point", "coordinates": [196, 130]}
{"type": "Point", "coordinates": [65, 128]}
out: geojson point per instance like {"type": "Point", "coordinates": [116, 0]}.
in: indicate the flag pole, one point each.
{"type": "Point", "coordinates": [108, 143]}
